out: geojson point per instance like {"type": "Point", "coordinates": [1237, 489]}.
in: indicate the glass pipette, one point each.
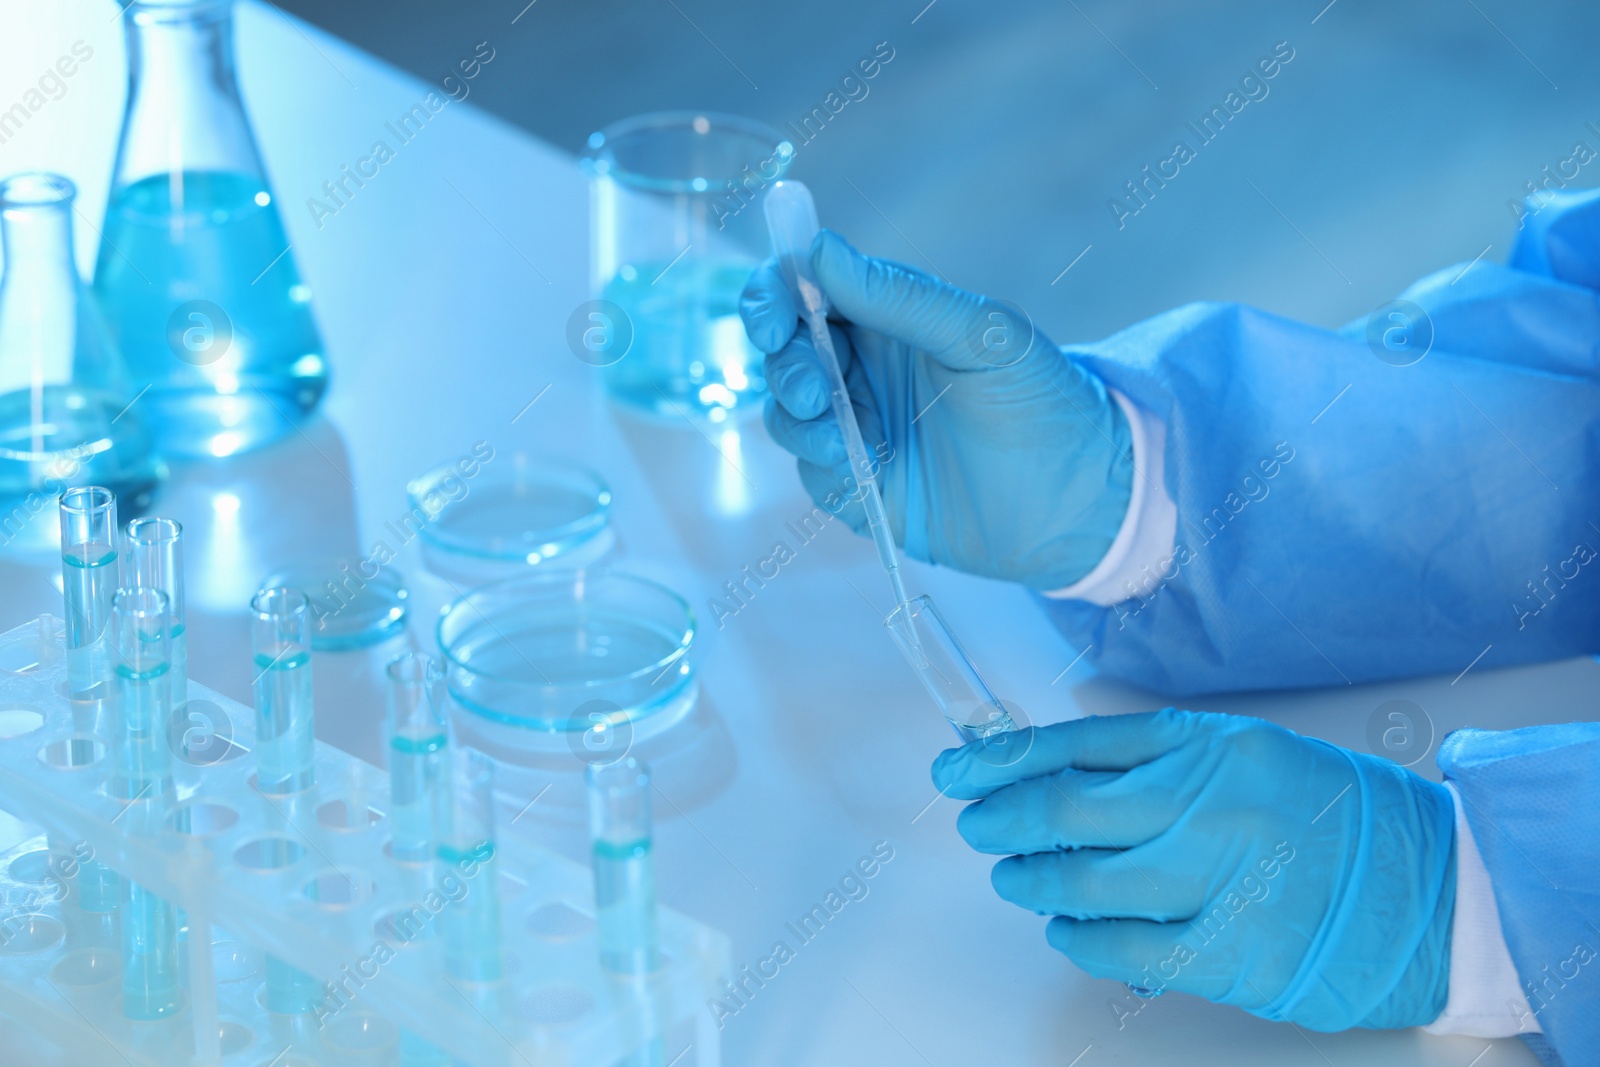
{"type": "Point", "coordinates": [792, 221]}
{"type": "Point", "coordinates": [944, 669]}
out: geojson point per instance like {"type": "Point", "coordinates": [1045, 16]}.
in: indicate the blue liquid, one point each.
{"type": "Point", "coordinates": [69, 438]}
{"type": "Point", "coordinates": [689, 354]}
{"type": "Point", "coordinates": [99, 888]}
{"type": "Point", "coordinates": [220, 383]}
{"type": "Point", "coordinates": [285, 741]}
{"type": "Point", "coordinates": [471, 925]}
{"type": "Point", "coordinates": [999, 721]}
{"type": "Point", "coordinates": [144, 711]}
{"type": "Point", "coordinates": [178, 662]}
{"type": "Point", "coordinates": [625, 906]}
{"type": "Point", "coordinates": [149, 955]}
{"type": "Point", "coordinates": [88, 582]}
{"type": "Point", "coordinates": [416, 767]}
{"type": "Point", "coordinates": [290, 991]}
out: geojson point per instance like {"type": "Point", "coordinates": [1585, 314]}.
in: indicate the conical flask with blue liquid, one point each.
{"type": "Point", "coordinates": [195, 273]}
{"type": "Point", "coordinates": [68, 414]}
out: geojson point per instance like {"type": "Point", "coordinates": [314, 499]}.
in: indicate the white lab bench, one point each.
{"type": "Point", "coordinates": [443, 287]}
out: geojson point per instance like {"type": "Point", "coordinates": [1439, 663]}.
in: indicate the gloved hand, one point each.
{"type": "Point", "coordinates": [1001, 456]}
{"type": "Point", "coordinates": [1226, 857]}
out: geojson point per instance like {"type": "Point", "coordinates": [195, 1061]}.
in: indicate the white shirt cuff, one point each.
{"type": "Point", "coordinates": [1144, 542]}
{"type": "Point", "coordinates": [1486, 997]}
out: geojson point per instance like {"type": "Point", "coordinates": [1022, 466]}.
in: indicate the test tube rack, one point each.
{"type": "Point", "coordinates": [307, 879]}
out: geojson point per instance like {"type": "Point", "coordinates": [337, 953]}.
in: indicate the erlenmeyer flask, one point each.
{"type": "Point", "coordinates": [195, 273]}
{"type": "Point", "coordinates": [67, 414]}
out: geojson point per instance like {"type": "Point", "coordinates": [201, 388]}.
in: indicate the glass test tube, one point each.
{"type": "Point", "coordinates": [142, 775]}
{"type": "Point", "coordinates": [418, 737]}
{"type": "Point", "coordinates": [290, 991]}
{"type": "Point", "coordinates": [470, 923]}
{"type": "Point", "coordinates": [285, 740]}
{"type": "Point", "coordinates": [155, 561]}
{"type": "Point", "coordinates": [945, 670]}
{"type": "Point", "coordinates": [142, 713]}
{"type": "Point", "coordinates": [88, 581]}
{"type": "Point", "coordinates": [150, 958]}
{"type": "Point", "coordinates": [624, 871]}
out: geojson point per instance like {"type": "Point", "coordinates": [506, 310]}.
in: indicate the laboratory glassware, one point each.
{"type": "Point", "coordinates": [308, 886]}
{"type": "Point", "coordinates": [919, 631]}
{"type": "Point", "coordinates": [549, 656]}
{"type": "Point", "coordinates": [280, 639]}
{"type": "Point", "coordinates": [67, 412]}
{"type": "Point", "coordinates": [354, 603]}
{"type": "Point", "coordinates": [792, 221]}
{"type": "Point", "coordinates": [419, 738]}
{"type": "Point", "coordinates": [517, 513]}
{"type": "Point", "coordinates": [624, 871]}
{"type": "Point", "coordinates": [88, 516]}
{"type": "Point", "coordinates": [944, 669]}
{"type": "Point", "coordinates": [281, 643]}
{"type": "Point", "coordinates": [466, 869]}
{"type": "Point", "coordinates": [195, 273]}
{"type": "Point", "coordinates": [141, 777]}
{"type": "Point", "coordinates": [947, 672]}
{"type": "Point", "coordinates": [673, 239]}
{"type": "Point", "coordinates": [141, 623]}
{"type": "Point", "coordinates": [154, 560]}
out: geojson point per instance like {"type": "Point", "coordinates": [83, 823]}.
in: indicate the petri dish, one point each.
{"type": "Point", "coordinates": [545, 653]}
{"type": "Point", "coordinates": [515, 513]}
{"type": "Point", "coordinates": [354, 602]}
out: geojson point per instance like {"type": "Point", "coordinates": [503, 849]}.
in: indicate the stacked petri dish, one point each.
{"type": "Point", "coordinates": [551, 648]}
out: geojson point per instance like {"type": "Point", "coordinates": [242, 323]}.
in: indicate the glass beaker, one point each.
{"type": "Point", "coordinates": [195, 273]}
{"type": "Point", "coordinates": [674, 235]}
{"type": "Point", "coordinates": [65, 407]}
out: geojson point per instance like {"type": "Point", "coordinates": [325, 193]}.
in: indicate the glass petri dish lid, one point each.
{"type": "Point", "coordinates": [546, 653]}
{"type": "Point", "coordinates": [354, 602]}
{"type": "Point", "coordinates": [522, 513]}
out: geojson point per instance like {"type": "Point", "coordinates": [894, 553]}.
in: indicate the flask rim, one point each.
{"type": "Point", "coordinates": [36, 188]}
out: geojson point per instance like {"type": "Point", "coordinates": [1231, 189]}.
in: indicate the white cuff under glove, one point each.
{"type": "Point", "coordinates": [1144, 542]}
{"type": "Point", "coordinates": [1486, 997]}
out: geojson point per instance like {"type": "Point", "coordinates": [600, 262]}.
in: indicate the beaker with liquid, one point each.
{"type": "Point", "coordinates": [67, 414]}
{"type": "Point", "coordinates": [674, 235]}
{"type": "Point", "coordinates": [195, 274]}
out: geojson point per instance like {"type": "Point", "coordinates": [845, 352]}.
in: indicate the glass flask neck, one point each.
{"type": "Point", "coordinates": [184, 113]}
{"type": "Point", "coordinates": [39, 289]}
{"type": "Point", "coordinates": [36, 231]}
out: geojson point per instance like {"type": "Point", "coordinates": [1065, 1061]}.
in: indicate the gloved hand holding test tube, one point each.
{"type": "Point", "coordinates": [918, 629]}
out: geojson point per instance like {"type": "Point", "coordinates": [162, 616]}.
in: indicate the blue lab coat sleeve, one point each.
{"type": "Point", "coordinates": [1343, 518]}
{"type": "Point", "coordinates": [1530, 797]}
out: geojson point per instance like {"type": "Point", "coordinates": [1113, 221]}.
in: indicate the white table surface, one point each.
{"type": "Point", "coordinates": [443, 290]}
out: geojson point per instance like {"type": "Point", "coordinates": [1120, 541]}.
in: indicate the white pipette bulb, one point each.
{"type": "Point", "coordinates": [792, 222]}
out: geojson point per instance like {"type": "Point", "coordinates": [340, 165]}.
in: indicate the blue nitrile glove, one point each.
{"type": "Point", "coordinates": [1001, 456]}
{"type": "Point", "coordinates": [1226, 857]}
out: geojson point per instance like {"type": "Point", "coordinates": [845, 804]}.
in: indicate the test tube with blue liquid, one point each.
{"type": "Point", "coordinates": [142, 777]}
{"type": "Point", "coordinates": [624, 872]}
{"type": "Point", "coordinates": [142, 712]}
{"type": "Point", "coordinates": [285, 741]}
{"type": "Point", "coordinates": [154, 560]}
{"type": "Point", "coordinates": [88, 517]}
{"type": "Point", "coordinates": [88, 582]}
{"type": "Point", "coordinates": [285, 737]}
{"type": "Point", "coordinates": [470, 925]}
{"type": "Point", "coordinates": [625, 882]}
{"type": "Point", "coordinates": [418, 748]}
